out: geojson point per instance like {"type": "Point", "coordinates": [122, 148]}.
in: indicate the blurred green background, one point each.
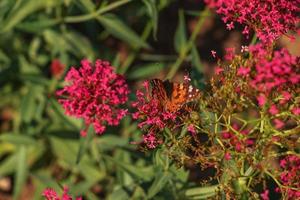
{"type": "Point", "coordinates": [40, 146]}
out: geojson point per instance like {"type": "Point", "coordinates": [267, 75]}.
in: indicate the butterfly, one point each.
{"type": "Point", "coordinates": [173, 96]}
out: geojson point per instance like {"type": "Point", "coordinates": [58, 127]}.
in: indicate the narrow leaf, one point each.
{"type": "Point", "coordinates": [21, 172]}
{"type": "Point", "coordinates": [145, 71]}
{"type": "Point", "coordinates": [158, 184]}
{"type": "Point", "coordinates": [120, 30]}
{"type": "Point", "coordinates": [180, 38]}
{"type": "Point", "coordinates": [153, 13]}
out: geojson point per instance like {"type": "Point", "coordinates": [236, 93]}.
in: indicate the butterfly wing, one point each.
{"type": "Point", "coordinates": [182, 94]}
{"type": "Point", "coordinates": [173, 95]}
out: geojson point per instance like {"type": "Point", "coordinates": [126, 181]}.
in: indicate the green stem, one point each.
{"type": "Point", "coordinates": [187, 48]}
{"type": "Point", "coordinates": [133, 54]}
{"type": "Point", "coordinates": [254, 39]}
{"type": "Point", "coordinates": [81, 18]}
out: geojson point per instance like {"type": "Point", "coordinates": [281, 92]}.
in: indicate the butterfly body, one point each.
{"type": "Point", "coordinates": [173, 96]}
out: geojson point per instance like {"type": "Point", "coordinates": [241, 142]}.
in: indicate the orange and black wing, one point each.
{"type": "Point", "coordinates": [173, 95]}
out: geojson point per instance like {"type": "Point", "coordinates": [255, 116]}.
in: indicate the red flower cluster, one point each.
{"type": "Point", "coordinates": [57, 68]}
{"type": "Point", "coordinates": [290, 176]}
{"type": "Point", "coordinates": [151, 114]}
{"type": "Point", "coordinates": [277, 73]}
{"type": "Point", "coordinates": [94, 94]}
{"type": "Point", "coordinates": [50, 194]}
{"type": "Point", "coordinates": [239, 144]}
{"type": "Point", "coordinates": [269, 18]}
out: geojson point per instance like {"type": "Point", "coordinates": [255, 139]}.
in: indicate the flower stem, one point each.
{"type": "Point", "coordinates": [92, 15]}
{"type": "Point", "coordinates": [187, 48]}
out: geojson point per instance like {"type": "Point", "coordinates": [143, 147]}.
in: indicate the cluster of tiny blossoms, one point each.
{"type": "Point", "coordinates": [94, 93]}
{"type": "Point", "coordinates": [277, 73]}
{"type": "Point", "coordinates": [274, 78]}
{"type": "Point", "coordinates": [57, 68]}
{"type": "Point", "coordinates": [269, 18]}
{"type": "Point", "coordinates": [152, 116]}
{"type": "Point", "coordinates": [290, 176]}
{"type": "Point", "coordinates": [50, 194]}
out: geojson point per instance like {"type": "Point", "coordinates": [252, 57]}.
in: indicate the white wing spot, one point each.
{"type": "Point", "coordinates": [190, 89]}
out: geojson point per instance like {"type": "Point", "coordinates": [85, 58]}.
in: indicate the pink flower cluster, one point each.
{"type": "Point", "coordinates": [271, 75]}
{"type": "Point", "coordinates": [239, 144]}
{"type": "Point", "coordinates": [269, 18]}
{"type": "Point", "coordinates": [50, 194]}
{"type": "Point", "coordinates": [94, 93]}
{"type": "Point", "coordinates": [57, 68]}
{"type": "Point", "coordinates": [277, 73]}
{"type": "Point", "coordinates": [290, 176]}
{"type": "Point", "coordinates": [151, 114]}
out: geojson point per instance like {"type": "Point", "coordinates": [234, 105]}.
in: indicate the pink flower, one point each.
{"type": "Point", "coordinates": [94, 93]}
{"type": "Point", "coordinates": [230, 26]}
{"type": "Point", "coordinates": [150, 140]}
{"type": "Point", "coordinates": [244, 49]}
{"type": "Point", "coordinates": [50, 194]}
{"type": "Point", "coordinates": [213, 53]}
{"type": "Point", "coordinates": [273, 74]}
{"type": "Point", "coordinates": [286, 97]}
{"type": "Point", "coordinates": [273, 110]}
{"type": "Point", "coordinates": [265, 195]}
{"type": "Point", "coordinates": [229, 53]}
{"type": "Point", "coordinates": [268, 18]}
{"type": "Point", "coordinates": [278, 123]}
{"type": "Point", "coordinates": [243, 71]}
{"type": "Point", "coordinates": [261, 100]}
{"type": "Point", "coordinates": [151, 115]}
{"type": "Point", "coordinates": [57, 68]}
{"type": "Point", "coordinates": [249, 142]}
{"type": "Point", "coordinates": [227, 156]}
{"type": "Point", "coordinates": [186, 78]}
{"type": "Point", "coordinates": [218, 70]}
{"type": "Point", "coordinates": [290, 176]}
{"type": "Point", "coordinates": [238, 147]}
{"type": "Point", "coordinates": [191, 129]}
{"type": "Point", "coordinates": [296, 111]}
{"type": "Point", "coordinates": [226, 135]}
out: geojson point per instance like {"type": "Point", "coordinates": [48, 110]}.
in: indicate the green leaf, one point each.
{"type": "Point", "coordinates": [110, 142]}
{"type": "Point", "coordinates": [8, 165]}
{"type": "Point", "coordinates": [118, 194]}
{"type": "Point", "coordinates": [65, 149]}
{"type": "Point", "coordinates": [158, 184]}
{"type": "Point", "coordinates": [21, 172]}
{"type": "Point", "coordinates": [161, 159]}
{"type": "Point", "coordinates": [17, 139]}
{"type": "Point", "coordinates": [143, 173]}
{"type": "Point", "coordinates": [120, 30]}
{"type": "Point", "coordinates": [196, 59]}
{"type": "Point", "coordinates": [28, 105]}
{"type": "Point", "coordinates": [37, 26]}
{"type": "Point", "coordinates": [84, 144]}
{"type": "Point", "coordinates": [88, 4]}
{"type": "Point", "coordinates": [4, 58]}
{"type": "Point", "coordinates": [28, 7]}
{"type": "Point", "coordinates": [57, 42]}
{"type": "Point", "coordinates": [81, 46]}
{"type": "Point", "coordinates": [73, 123]}
{"type": "Point", "coordinates": [82, 188]}
{"type": "Point", "coordinates": [202, 192]}
{"type": "Point", "coordinates": [145, 71]}
{"type": "Point", "coordinates": [180, 38]}
{"type": "Point", "coordinates": [153, 13]}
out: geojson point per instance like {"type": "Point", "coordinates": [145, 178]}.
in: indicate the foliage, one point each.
{"type": "Point", "coordinates": [242, 136]}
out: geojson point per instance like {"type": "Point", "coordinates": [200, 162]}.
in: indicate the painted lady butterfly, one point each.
{"type": "Point", "coordinates": [173, 96]}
